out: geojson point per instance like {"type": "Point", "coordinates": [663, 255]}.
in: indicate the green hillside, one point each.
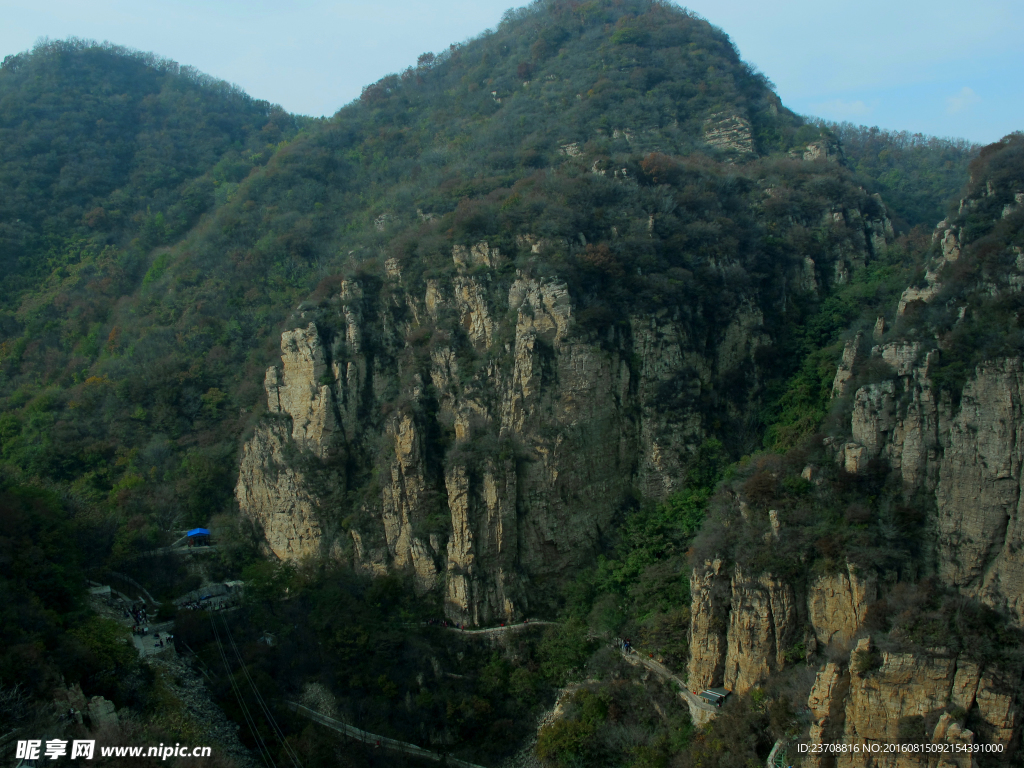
{"type": "Point", "coordinates": [150, 323]}
{"type": "Point", "coordinates": [917, 175]}
{"type": "Point", "coordinates": [105, 147]}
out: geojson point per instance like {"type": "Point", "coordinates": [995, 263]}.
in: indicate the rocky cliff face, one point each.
{"type": "Point", "coordinates": [979, 491]}
{"type": "Point", "coordinates": [709, 611]}
{"type": "Point", "coordinates": [730, 133]}
{"type": "Point", "coordinates": [925, 495]}
{"type": "Point", "coordinates": [952, 445]}
{"type": "Point", "coordinates": [469, 429]}
{"type": "Point", "coordinates": [837, 604]}
{"type": "Point", "coordinates": [744, 627]}
{"type": "Point", "coordinates": [879, 699]}
{"type": "Point", "coordinates": [965, 455]}
{"type": "Point", "coordinates": [276, 495]}
{"type": "Point", "coordinates": [762, 627]}
{"type": "Point", "coordinates": [968, 459]}
{"type": "Point", "coordinates": [541, 432]}
{"type": "Point", "coordinates": [299, 389]}
{"type": "Point", "coordinates": [270, 484]}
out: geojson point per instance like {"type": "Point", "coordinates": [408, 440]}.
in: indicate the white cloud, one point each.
{"type": "Point", "coordinates": [965, 99]}
{"type": "Point", "coordinates": [838, 109]}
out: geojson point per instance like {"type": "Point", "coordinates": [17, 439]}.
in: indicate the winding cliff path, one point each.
{"type": "Point", "coordinates": [372, 738]}
{"type": "Point", "coordinates": [499, 630]}
{"type": "Point", "coordinates": [700, 711]}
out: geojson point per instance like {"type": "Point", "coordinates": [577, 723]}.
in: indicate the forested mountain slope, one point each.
{"type": "Point", "coordinates": [491, 343]}
{"type": "Point", "coordinates": [887, 544]}
{"type": "Point", "coordinates": [107, 147]}
{"type": "Point", "coordinates": [917, 175]}
{"type": "Point", "coordinates": [107, 156]}
{"type": "Point", "coordinates": [166, 368]}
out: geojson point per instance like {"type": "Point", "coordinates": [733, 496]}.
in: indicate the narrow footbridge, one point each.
{"type": "Point", "coordinates": [383, 741]}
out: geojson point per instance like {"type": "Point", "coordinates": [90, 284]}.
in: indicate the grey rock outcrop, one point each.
{"type": "Point", "coordinates": [902, 420]}
{"type": "Point", "coordinates": [730, 133]}
{"type": "Point", "coordinates": [827, 150]}
{"type": "Point", "coordinates": [844, 373]}
{"type": "Point", "coordinates": [979, 498]}
{"type": "Point", "coordinates": [950, 242]}
{"type": "Point", "coordinates": [102, 713]}
{"type": "Point", "coordinates": [471, 431]}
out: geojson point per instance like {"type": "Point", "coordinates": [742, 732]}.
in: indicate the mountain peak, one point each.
{"type": "Point", "coordinates": [557, 73]}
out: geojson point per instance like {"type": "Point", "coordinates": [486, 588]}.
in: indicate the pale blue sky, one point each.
{"type": "Point", "coordinates": [943, 67]}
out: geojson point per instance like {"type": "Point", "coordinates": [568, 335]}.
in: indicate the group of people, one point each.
{"type": "Point", "coordinates": [160, 641]}
{"type": "Point", "coordinates": [139, 613]}
{"type": "Point", "coordinates": [142, 630]}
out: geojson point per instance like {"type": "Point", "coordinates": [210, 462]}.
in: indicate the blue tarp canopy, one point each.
{"type": "Point", "coordinates": [198, 532]}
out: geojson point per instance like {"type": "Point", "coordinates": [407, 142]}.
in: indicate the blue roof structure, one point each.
{"type": "Point", "coordinates": [198, 532]}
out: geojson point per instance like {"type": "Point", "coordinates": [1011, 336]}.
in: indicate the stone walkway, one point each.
{"type": "Point", "coordinates": [173, 550]}
{"type": "Point", "coordinates": [186, 683]}
{"type": "Point", "coordinates": [700, 711]}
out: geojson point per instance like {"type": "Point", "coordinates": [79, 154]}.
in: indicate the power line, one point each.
{"type": "Point", "coordinates": [268, 759]}
{"type": "Point", "coordinates": [259, 699]}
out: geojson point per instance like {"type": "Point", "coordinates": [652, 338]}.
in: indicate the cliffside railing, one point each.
{"type": "Point", "coordinates": [777, 757]}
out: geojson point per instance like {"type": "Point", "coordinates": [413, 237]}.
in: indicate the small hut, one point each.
{"type": "Point", "coordinates": [715, 696]}
{"type": "Point", "coordinates": [198, 537]}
